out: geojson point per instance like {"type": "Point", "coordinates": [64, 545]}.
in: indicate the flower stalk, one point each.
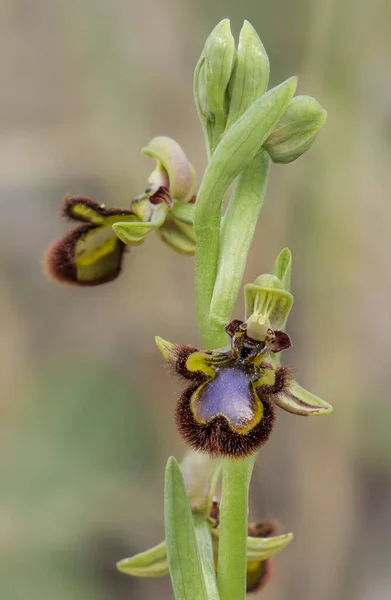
{"type": "Point", "coordinates": [231, 574]}
{"type": "Point", "coordinates": [223, 242]}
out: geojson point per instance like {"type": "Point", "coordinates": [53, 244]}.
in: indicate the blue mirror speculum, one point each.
{"type": "Point", "coordinates": [228, 408]}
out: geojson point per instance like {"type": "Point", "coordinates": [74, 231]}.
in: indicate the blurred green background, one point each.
{"type": "Point", "coordinates": [86, 405]}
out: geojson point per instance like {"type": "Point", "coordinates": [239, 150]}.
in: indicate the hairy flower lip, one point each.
{"type": "Point", "coordinates": [216, 437]}
{"type": "Point", "coordinates": [92, 253]}
{"type": "Point", "coordinates": [59, 260]}
{"type": "Point", "coordinates": [227, 409]}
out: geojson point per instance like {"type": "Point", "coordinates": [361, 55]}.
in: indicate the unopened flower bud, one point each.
{"type": "Point", "coordinates": [219, 60]}
{"type": "Point", "coordinates": [297, 130]}
{"type": "Point", "coordinates": [250, 77]}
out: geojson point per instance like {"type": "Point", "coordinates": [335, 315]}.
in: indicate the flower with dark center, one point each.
{"type": "Point", "coordinates": [228, 407]}
{"type": "Point", "coordinates": [92, 253]}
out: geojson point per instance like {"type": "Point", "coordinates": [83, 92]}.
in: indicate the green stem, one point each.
{"type": "Point", "coordinates": [231, 575]}
{"type": "Point", "coordinates": [237, 232]}
{"type": "Point", "coordinates": [235, 151]}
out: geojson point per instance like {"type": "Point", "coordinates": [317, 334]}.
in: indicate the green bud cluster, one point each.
{"type": "Point", "coordinates": [228, 81]}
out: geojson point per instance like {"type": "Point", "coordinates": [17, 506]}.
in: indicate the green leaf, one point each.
{"type": "Point", "coordinates": [136, 232]}
{"type": "Point", "coordinates": [204, 543]}
{"type": "Point", "coordinates": [183, 212]}
{"type": "Point", "coordinates": [264, 548]}
{"type": "Point", "coordinates": [282, 268]}
{"type": "Point", "coordinates": [297, 130]}
{"type": "Point", "coordinates": [178, 236]}
{"type": "Point", "coordinates": [184, 561]}
{"type": "Point", "coordinates": [251, 74]}
{"type": "Point", "coordinates": [236, 150]}
{"type": "Point", "coordinates": [298, 401]}
{"type": "Point", "coordinates": [151, 563]}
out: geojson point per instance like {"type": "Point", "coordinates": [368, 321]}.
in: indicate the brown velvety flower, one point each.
{"type": "Point", "coordinates": [92, 253]}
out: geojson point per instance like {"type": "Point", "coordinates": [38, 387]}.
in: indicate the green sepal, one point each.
{"type": "Point", "coordinates": [250, 77]}
{"type": "Point", "coordinates": [186, 570]}
{"type": "Point", "coordinates": [282, 268]}
{"type": "Point", "coordinates": [183, 212]}
{"type": "Point", "coordinates": [267, 302]}
{"type": "Point", "coordinates": [297, 130]}
{"type": "Point", "coordinates": [178, 236]}
{"type": "Point", "coordinates": [264, 548]}
{"type": "Point", "coordinates": [151, 563]}
{"type": "Point", "coordinates": [173, 170]}
{"type": "Point", "coordinates": [298, 401]}
{"type": "Point", "coordinates": [135, 233]}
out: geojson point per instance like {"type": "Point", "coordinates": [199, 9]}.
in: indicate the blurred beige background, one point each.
{"type": "Point", "coordinates": [86, 405]}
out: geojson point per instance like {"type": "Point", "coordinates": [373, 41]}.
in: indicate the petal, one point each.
{"type": "Point", "coordinates": [191, 363]}
{"type": "Point", "coordinates": [85, 210]}
{"type": "Point", "coordinates": [298, 401]}
{"type": "Point", "coordinates": [281, 342]}
{"type": "Point", "coordinates": [179, 236]}
{"type": "Point", "coordinates": [88, 255]}
{"type": "Point", "coordinates": [134, 233]}
{"type": "Point", "coordinates": [151, 563]}
{"type": "Point", "coordinates": [234, 326]}
{"type": "Point", "coordinates": [206, 363]}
